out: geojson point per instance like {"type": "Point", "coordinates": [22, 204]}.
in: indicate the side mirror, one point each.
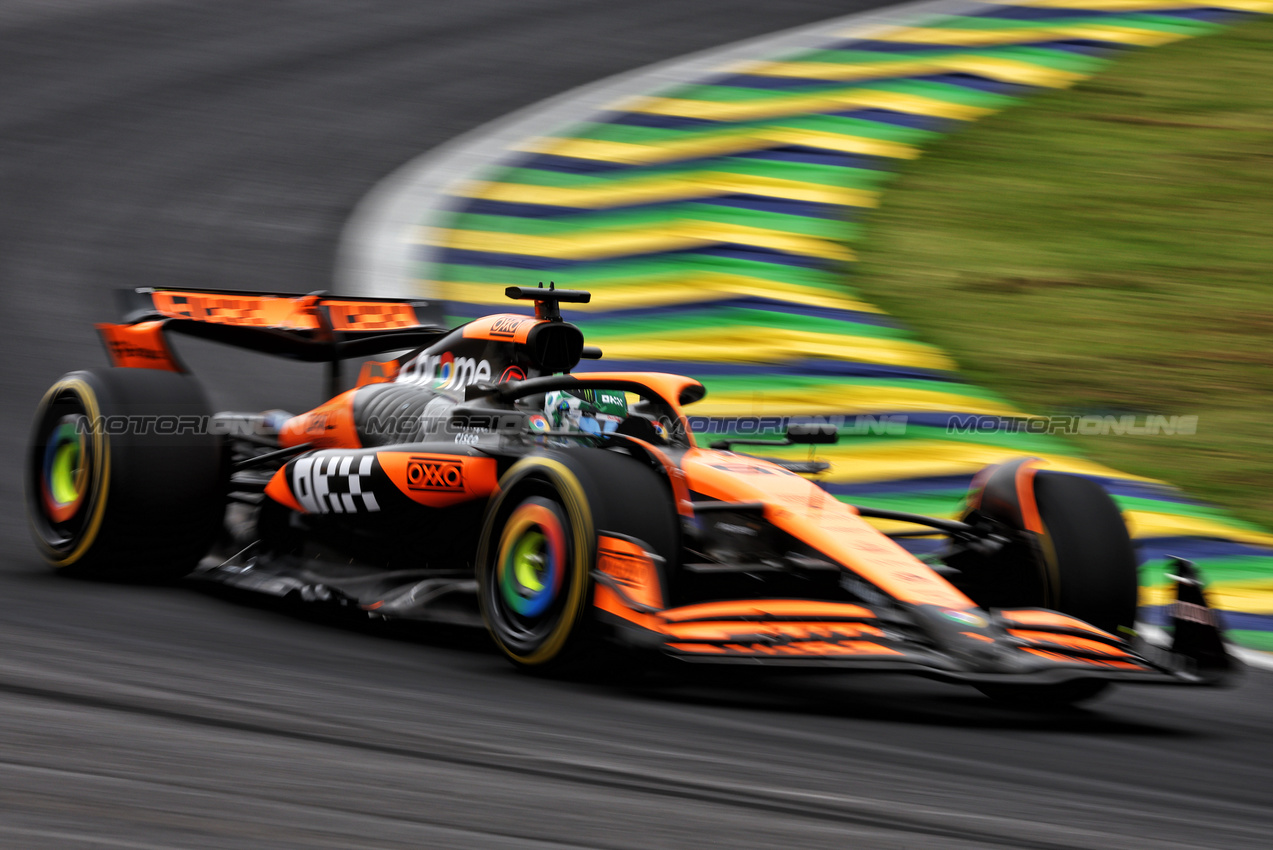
{"type": "Point", "coordinates": [812, 434]}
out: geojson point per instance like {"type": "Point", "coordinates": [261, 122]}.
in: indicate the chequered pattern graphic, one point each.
{"type": "Point", "coordinates": [715, 225]}
{"type": "Point", "coordinates": [370, 316]}
{"type": "Point", "coordinates": [219, 309]}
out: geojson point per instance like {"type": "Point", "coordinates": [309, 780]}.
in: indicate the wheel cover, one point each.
{"type": "Point", "coordinates": [530, 640]}
{"type": "Point", "coordinates": [68, 472]}
{"type": "Point", "coordinates": [532, 562]}
{"type": "Point", "coordinates": [64, 475]}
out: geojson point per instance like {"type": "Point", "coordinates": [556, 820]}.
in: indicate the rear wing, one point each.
{"type": "Point", "coordinates": [315, 328]}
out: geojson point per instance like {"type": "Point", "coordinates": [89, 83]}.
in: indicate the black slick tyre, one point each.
{"type": "Point", "coordinates": [1083, 565]}
{"type": "Point", "coordinates": [534, 565]}
{"type": "Point", "coordinates": [123, 478]}
{"type": "Point", "coordinates": [538, 550]}
{"type": "Point", "coordinates": [1088, 552]}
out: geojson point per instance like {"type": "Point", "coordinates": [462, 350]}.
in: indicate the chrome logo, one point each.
{"type": "Point", "coordinates": [446, 368]}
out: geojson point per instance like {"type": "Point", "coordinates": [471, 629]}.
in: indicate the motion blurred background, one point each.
{"type": "Point", "coordinates": [224, 145]}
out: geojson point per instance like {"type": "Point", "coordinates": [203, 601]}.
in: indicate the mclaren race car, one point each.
{"type": "Point", "coordinates": [469, 476]}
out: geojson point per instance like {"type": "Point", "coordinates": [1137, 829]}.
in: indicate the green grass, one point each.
{"type": "Point", "coordinates": [1110, 249]}
{"type": "Point", "coordinates": [1252, 640]}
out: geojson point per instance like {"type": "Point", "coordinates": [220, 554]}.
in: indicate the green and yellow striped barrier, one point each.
{"type": "Point", "coordinates": [715, 224]}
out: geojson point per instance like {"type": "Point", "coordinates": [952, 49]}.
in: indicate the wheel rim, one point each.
{"type": "Point", "coordinates": [531, 566]}
{"type": "Point", "coordinates": [64, 473]}
{"type": "Point", "coordinates": [68, 470]}
{"type": "Point", "coordinates": [531, 598]}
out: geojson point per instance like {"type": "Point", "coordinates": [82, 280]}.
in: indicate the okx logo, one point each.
{"type": "Point", "coordinates": [435, 474]}
{"type": "Point", "coordinates": [333, 484]}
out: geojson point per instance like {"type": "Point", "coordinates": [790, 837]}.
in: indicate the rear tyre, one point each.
{"type": "Point", "coordinates": [123, 479]}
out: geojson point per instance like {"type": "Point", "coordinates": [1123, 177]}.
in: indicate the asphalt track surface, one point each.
{"type": "Point", "coordinates": [223, 145]}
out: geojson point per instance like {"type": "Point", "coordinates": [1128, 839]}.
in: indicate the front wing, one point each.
{"type": "Point", "coordinates": [1024, 646]}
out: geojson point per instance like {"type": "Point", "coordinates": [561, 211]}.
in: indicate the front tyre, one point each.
{"type": "Point", "coordinates": [1080, 561]}
{"type": "Point", "coordinates": [1090, 558]}
{"type": "Point", "coordinates": [123, 478]}
{"type": "Point", "coordinates": [1082, 564]}
{"type": "Point", "coordinates": [534, 565]}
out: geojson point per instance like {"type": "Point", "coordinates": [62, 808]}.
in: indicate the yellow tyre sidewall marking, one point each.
{"type": "Point", "coordinates": [575, 503]}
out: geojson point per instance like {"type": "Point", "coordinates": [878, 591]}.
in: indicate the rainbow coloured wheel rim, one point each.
{"type": "Point", "coordinates": [66, 473]}
{"type": "Point", "coordinates": [531, 573]}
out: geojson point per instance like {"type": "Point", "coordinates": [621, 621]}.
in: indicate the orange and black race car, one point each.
{"type": "Point", "coordinates": [473, 478]}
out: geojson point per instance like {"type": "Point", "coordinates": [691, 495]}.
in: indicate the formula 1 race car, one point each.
{"type": "Point", "coordinates": [473, 478]}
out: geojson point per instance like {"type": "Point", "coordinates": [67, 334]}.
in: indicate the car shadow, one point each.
{"type": "Point", "coordinates": [891, 698]}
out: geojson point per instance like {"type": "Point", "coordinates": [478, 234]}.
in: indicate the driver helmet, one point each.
{"type": "Point", "coordinates": [585, 411]}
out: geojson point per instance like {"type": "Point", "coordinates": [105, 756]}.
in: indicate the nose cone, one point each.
{"type": "Point", "coordinates": [968, 635]}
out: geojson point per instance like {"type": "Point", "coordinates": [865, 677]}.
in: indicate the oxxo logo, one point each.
{"type": "Point", "coordinates": [444, 371]}
{"type": "Point", "coordinates": [427, 474]}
